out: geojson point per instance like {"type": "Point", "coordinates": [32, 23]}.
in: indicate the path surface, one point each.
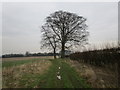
{"type": "Point", "coordinates": [61, 75]}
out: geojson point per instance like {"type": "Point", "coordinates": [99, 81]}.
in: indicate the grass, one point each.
{"type": "Point", "coordinates": [41, 74]}
{"type": "Point", "coordinates": [29, 80]}
{"type": "Point", "coordinates": [70, 78]}
{"type": "Point", "coordinates": [24, 76]}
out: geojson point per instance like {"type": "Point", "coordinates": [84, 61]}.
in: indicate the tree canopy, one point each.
{"type": "Point", "coordinates": [69, 29]}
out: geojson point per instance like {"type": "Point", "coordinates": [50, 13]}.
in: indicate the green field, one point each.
{"type": "Point", "coordinates": [39, 73]}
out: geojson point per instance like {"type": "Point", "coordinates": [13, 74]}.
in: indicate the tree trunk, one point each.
{"type": "Point", "coordinates": [54, 53]}
{"type": "Point", "coordinates": [63, 50]}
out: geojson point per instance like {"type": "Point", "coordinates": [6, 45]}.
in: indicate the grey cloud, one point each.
{"type": "Point", "coordinates": [21, 22]}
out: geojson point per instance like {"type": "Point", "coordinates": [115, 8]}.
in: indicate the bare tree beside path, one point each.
{"type": "Point", "coordinates": [64, 29]}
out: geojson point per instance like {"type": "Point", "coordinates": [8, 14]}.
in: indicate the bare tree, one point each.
{"type": "Point", "coordinates": [69, 29]}
{"type": "Point", "coordinates": [49, 40]}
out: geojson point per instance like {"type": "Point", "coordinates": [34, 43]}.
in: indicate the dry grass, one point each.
{"type": "Point", "coordinates": [98, 77]}
{"type": "Point", "coordinates": [26, 58]}
{"type": "Point", "coordinates": [23, 75]}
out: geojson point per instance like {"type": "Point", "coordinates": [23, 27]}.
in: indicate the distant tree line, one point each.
{"type": "Point", "coordinates": [12, 55]}
{"type": "Point", "coordinates": [27, 54]}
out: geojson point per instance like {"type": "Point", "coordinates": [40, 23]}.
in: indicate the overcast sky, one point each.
{"type": "Point", "coordinates": [21, 22]}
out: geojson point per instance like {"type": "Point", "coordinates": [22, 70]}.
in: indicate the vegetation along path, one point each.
{"type": "Point", "coordinates": [61, 75]}
{"type": "Point", "coordinates": [41, 73]}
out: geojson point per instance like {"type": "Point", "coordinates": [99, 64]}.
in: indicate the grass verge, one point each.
{"type": "Point", "coordinates": [24, 76]}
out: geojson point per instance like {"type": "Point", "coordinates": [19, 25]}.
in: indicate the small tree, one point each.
{"type": "Point", "coordinates": [27, 53]}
